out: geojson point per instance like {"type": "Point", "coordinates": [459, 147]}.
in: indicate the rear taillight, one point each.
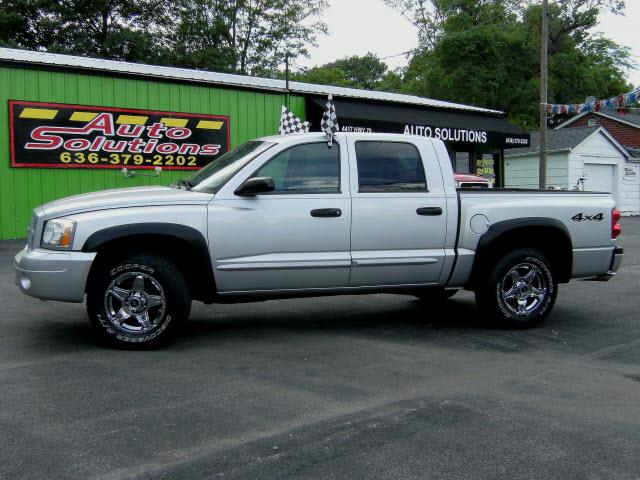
{"type": "Point", "coordinates": [616, 229]}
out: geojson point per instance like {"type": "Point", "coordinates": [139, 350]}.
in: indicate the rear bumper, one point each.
{"type": "Point", "coordinates": [50, 275]}
{"type": "Point", "coordinates": [618, 253]}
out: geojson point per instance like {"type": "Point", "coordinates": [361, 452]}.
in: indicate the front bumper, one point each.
{"type": "Point", "coordinates": [618, 253]}
{"type": "Point", "coordinates": [50, 275]}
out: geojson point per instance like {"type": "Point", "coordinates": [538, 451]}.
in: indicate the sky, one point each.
{"type": "Point", "coordinates": [360, 26]}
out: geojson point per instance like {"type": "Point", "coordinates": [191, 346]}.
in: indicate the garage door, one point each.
{"type": "Point", "coordinates": [599, 178]}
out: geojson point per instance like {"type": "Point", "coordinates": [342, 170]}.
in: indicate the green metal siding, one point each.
{"type": "Point", "coordinates": [252, 114]}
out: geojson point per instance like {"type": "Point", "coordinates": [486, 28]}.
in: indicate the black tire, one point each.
{"type": "Point", "coordinates": [519, 291]}
{"type": "Point", "coordinates": [138, 284]}
{"type": "Point", "coordinates": [435, 295]}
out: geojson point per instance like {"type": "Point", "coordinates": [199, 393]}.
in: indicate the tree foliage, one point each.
{"type": "Point", "coordinates": [366, 72]}
{"type": "Point", "coordinates": [244, 36]}
{"type": "Point", "coordinates": [115, 29]}
{"type": "Point", "coordinates": [486, 52]}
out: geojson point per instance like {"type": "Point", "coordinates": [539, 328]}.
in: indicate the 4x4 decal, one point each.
{"type": "Point", "coordinates": [581, 217]}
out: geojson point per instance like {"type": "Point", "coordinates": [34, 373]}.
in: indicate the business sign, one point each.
{"type": "Point", "coordinates": [446, 134]}
{"type": "Point", "coordinates": [631, 172]}
{"type": "Point", "coordinates": [51, 135]}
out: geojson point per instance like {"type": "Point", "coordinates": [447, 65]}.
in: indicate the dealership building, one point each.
{"type": "Point", "coordinates": [71, 124]}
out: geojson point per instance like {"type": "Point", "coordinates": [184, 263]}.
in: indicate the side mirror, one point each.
{"type": "Point", "coordinates": [255, 186]}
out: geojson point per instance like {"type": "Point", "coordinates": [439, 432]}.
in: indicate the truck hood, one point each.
{"type": "Point", "coordinates": [123, 197]}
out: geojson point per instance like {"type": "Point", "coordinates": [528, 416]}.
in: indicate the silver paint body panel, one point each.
{"type": "Point", "coordinates": [271, 243]}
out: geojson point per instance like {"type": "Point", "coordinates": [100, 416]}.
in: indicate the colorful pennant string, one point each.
{"type": "Point", "coordinates": [619, 103]}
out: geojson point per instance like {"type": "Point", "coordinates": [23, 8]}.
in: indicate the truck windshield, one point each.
{"type": "Point", "coordinates": [212, 177]}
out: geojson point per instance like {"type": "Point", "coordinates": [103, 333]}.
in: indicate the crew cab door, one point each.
{"type": "Point", "coordinates": [399, 212]}
{"type": "Point", "coordinates": [296, 237]}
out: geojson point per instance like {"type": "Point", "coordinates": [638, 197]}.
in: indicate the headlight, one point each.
{"type": "Point", "coordinates": [31, 231]}
{"type": "Point", "coordinates": [58, 234]}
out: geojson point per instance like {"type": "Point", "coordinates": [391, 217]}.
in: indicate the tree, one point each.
{"type": "Point", "coordinates": [115, 29]}
{"type": "Point", "coordinates": [247, 36]}
{"type": "Point", "coordinates": [486, 53]}
{"type": "Point", "coordinates": [18, 23]}
{"type": "Point", "coordinates": [242, 36]}
{"type": "Point", "coordinates": [366, 72]}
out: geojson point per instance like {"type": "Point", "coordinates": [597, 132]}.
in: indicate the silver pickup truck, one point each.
{"type": "Point", "coordinates": [290, 216]}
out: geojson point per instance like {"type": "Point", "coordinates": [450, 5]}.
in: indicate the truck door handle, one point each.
{"type": "Point", "coordinates": [326, 212]}
{"type": "Point", "coordinates": [429, 211]}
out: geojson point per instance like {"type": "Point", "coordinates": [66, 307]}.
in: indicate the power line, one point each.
{"type": "Point", "coordinates": [454, 35]}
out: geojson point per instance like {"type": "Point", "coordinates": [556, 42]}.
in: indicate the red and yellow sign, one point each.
{"type": "Point", "coordinates": [52, 135]}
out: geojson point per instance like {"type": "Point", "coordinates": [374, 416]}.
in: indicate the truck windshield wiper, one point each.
{"type": "Point", "coordinates": [181, 182]}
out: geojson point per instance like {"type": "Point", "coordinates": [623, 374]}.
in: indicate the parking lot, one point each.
{"type": "Point", "coordinates": [371, 386]}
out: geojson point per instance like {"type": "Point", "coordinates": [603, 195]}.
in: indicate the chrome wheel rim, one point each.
{"type": "Point", "coordinates": [524, 289]}
{"type": "Point", "coordinates": [135, 303]}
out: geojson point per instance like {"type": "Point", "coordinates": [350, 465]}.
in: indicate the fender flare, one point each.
{"type": "Point", "coordinates": [498, 229]}
{"type": "Point", "coordinates": [193, 237]}
{"type": "Point", "coordinates": [181, 232]}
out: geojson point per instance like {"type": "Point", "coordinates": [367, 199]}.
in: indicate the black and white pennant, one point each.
{"type": "Point", "coordinates": [329, 124]}
{"type": "Point", "coordinates": [289, 123]}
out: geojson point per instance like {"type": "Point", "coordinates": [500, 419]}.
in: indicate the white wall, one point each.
{"type": "Point", "coordinates": [565, 168]}
{"type": "Point", "coordinates": [629, 200]}
{"type": "Point", "coordinates": [597, 148]}
{"type": "Point", "coordinates": [522, 171]}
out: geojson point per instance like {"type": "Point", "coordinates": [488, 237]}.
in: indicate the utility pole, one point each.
{"type": "Point", "coordinates": [286, 76]}
{"type": "Point", "coordinates": [544, 43]}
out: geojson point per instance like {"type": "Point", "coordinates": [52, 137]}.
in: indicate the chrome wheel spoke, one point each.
{"type": "Point", "coordinates": [522, 305]}
{"type": "Point", "coordinates": [143, 319]}
{"type": "Point", "coordinates": [121, 316]}
{"type": "Point", "coordinates": [138, 284]}
{"type": "Point", "coordinates": [511, 294]}
{"type": "Point", "coordinates": [538, 292]}
{"type": "Point", "coordinates": [133, 310]}
{"type": "Point", "coordinates": [120, 293]}
{"type": "Point", "coordinates": [530, 276]}
{"type": "Point", "coordinates": [154, 300]}
{"type": "Point", "coordinates": [523, 288]}
{"type": "Point", "coordinates": [515, 276]}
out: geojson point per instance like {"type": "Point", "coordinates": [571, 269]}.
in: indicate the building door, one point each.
{"type": "Point", "coordinates": [600, 178]}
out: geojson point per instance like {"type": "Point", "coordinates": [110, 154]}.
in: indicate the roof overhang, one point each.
{"type": "Point", "coordinates": [611, 117]}
{"type": "Point", "coordinates": [536, 153]}
{"type": "Point", "coordinates": [452, 127]}
{"type": "Point", "coordinates": [54, 60]}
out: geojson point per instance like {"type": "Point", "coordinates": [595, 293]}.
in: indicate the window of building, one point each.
{"type": "Point", "coordinates": [463, 163]}
{"type": "Point", "coordinates": [308, 168]}
{"type": "Point", "coordinates": [593, 122]}
{"type": "Point", "coordinates": [389, 167]}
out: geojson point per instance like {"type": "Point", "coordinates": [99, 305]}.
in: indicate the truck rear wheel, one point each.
{"type": "Point", "coordinates": [519, 290]}
{"type": "Point", "coordinates": [137, 300]}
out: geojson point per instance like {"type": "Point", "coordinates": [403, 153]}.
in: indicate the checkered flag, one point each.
{"type": "Point", "coordinates": [289, 123]}
{"type": "Point", "coordinates": [329, 124]}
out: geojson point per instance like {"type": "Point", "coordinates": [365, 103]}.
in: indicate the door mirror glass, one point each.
{"type": "Point", "coordinates": [255, 186]}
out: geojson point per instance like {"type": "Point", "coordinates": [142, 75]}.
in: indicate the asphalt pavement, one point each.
{"type": "Point", "coordinates": [349, 387]}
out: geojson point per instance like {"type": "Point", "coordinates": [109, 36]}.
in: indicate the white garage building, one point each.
{"type": "Point", "coordinates": [588, 153]}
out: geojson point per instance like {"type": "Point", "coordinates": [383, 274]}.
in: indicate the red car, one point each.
{"type": "Point", "coordinates": [471, 181]}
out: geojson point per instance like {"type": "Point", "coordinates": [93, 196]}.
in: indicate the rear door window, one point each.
{"type": "Point", "coordinates": [389, 167]}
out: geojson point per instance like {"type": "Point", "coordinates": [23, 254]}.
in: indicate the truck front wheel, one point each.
{"type": "Point", "coordinates": [137, 300]}
{"type": "Point", "coordinates": [519, 290]}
